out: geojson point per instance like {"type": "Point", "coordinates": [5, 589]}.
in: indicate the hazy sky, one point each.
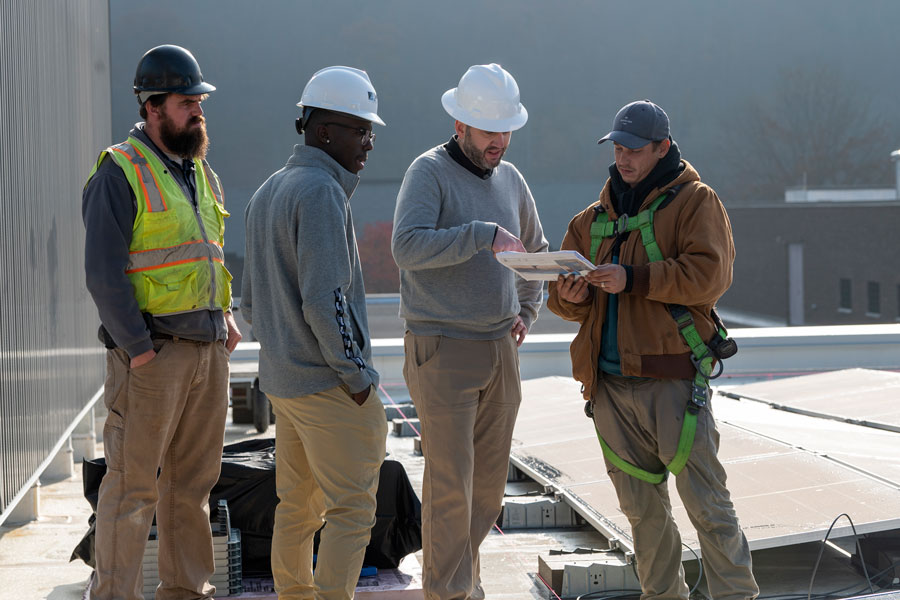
{"type": "Point", "coordinates": [576, 63]}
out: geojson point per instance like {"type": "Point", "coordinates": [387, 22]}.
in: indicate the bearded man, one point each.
{"type": "Point", "coordinates": [154, 216]}
{"type": "Point", "coordinates": [465, 314]}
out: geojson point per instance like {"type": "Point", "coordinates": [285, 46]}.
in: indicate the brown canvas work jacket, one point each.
{"type": "Point", "coordinates": [694, 235]}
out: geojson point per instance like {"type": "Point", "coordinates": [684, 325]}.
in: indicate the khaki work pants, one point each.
{"type": "Point", "coordinates": [328, 455]}
{"type": "Point", "coordinates": [641, 421]}
{"type": "Point", "coordinates": [168, 414]}
{"type": "Point", "coordinates": [467, 394]}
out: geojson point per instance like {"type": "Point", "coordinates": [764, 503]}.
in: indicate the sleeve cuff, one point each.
{"type": "Point", "coordinates": [140, 347]}
{"type": "Point", "coordinates": [484, 235]}
{"type": "Point", "coordinates": [527, 319]}
{"type": "Point", "coordinates": [358, 381]}
{"type": "Point", "coordinates": [640, 279]}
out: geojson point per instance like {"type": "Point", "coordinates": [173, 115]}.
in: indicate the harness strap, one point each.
{"type": "Point", "coordinates": [701, 356]}
{"type": "Point", "coordinates": [602, 227]}
{"type": "Point", "coordinates": [685, 442]}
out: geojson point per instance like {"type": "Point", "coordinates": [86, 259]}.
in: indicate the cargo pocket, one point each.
{"type": "Point", "coordinates": [164, 296]}
{"type": "Point", "coordinates": [114, 441]}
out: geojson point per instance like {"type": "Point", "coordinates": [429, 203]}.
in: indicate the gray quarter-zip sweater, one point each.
{"type": "Point", "coordinates": [302, 288]}
{"type": "Point", "coordinates": [444, 224]}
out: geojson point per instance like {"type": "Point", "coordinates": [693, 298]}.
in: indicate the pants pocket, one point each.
{"type": "Point", "coordinates": [422, 348]}
{"type": "Point", "coordinates": [117, 362]}
{"type": "Point", "coordinates": [114, 441]}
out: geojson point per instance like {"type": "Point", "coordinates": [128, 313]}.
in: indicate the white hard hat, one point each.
{"type": "Point", "coordinates": [487, 98]}
{"type": "Point", "coordinates": [342, 89]}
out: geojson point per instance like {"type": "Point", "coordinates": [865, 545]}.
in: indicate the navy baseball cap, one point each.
{"type": "Point", "coordinates": [637, 124]}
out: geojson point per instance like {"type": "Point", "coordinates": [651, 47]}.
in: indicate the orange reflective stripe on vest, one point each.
{"type": "Point", "coordinates": [152, 195]}
{"type": "Point", "coordinates": [145, 260]}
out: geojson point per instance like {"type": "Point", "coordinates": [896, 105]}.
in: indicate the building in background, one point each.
{"type": "Point", "coordinates": [820, 257]}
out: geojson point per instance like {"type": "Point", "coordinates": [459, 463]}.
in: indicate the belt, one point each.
{"type": "Point", "coordinates": [175, 338]}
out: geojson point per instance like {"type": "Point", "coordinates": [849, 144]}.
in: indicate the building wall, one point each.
{"type": "Point", "coordinates": [54, 118]}
{"type": "Point", "coordinates": [857, 242]}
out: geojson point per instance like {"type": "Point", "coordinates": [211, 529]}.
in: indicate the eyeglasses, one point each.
{"type": "Point", "coordinates": [365, 135]}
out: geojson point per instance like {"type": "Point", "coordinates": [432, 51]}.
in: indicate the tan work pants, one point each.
{"type": "Point", "coordinates": [467, 394]}
{"type": "Point", "coordinates": [168, 414]}
{"type": "Point", "coordinates": [641, 421]}
{"type": "Point", "coordinates": [328, 455]}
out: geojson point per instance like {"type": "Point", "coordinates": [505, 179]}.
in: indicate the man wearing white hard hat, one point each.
{"type": "Point", "coordinates": [465, 314]}
{"type": "Point", "coordinates": [303, 293]}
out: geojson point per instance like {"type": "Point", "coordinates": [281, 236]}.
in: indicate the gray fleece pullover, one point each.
{"type": "Point", "coordinates": [444, 225]}
{"type": "Point", "coordinates": [303, 289]}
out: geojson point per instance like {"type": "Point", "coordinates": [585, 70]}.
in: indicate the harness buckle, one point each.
{"type": "Point", "coordinates": [589, 409]}
{"type": "Point", "coordinates": [699, 398]}
{"type": "Point", "coordinates": [704, 365]}
{"type": "Point", "coordinates": [678, 312]}
{"type": "Point", "coordinates": [621, 224]}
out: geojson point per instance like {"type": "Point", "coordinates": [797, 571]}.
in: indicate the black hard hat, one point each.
{"type": "Point", "coordinates": [170, 68]}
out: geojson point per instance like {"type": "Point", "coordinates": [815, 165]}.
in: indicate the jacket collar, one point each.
{"type": "Point", "coordinates": [308, 156]}
{"type": "Point", "coordinates": [687, 175]}
{"type": "Point", "coordinates": [628, 199]}
{"type": "Point", "coordinates": [183, 171]}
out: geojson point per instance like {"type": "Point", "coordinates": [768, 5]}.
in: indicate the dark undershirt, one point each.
{"type": "Point", "coordinates": [460, 157]}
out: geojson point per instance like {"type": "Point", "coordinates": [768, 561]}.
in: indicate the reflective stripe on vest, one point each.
{"type": "Point", "coordinates": [152, 195]}
{"type": "Point", "coordinates": [146, 260]}
{"type": "Point", "coordinates": [176, 262]}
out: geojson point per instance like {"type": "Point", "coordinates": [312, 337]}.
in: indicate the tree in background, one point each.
{"type": "Point", "coordinates": [814, 129]}
{"type": "Point", "coordinates": [379, 269]}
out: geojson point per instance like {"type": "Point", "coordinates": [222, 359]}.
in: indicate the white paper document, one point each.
{"type": "Point", "coordinates": [545, 266]}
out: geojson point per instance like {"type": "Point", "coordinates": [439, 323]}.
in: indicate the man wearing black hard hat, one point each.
{"type": "Point", "coordinates": [154, 216]}
{"type": "Point", "coordinates": [649, 343]}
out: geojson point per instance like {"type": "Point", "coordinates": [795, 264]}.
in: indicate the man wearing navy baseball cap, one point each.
{"type": "Point", "coordinates": [648, 344]}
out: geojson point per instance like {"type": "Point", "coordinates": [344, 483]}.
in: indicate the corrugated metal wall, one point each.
{"type": "Point", "coordinates": [54, 118]}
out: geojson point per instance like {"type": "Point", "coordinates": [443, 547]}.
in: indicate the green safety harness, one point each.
{"type": "Point", "coordinates": [703, 355]}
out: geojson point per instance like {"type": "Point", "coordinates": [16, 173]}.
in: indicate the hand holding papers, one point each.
{"type": "Point", "coordinates": [545, 266]}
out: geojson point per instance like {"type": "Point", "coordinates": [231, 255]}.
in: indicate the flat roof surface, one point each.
{"type": "Point", "coordinates": [790, 475]}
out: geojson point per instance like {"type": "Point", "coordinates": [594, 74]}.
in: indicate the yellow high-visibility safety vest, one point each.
{"type": "Point", "coordinates": [176, 262]}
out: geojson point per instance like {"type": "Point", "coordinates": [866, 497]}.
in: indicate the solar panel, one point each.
{"type": "Point", "coordinates": [785, 491]}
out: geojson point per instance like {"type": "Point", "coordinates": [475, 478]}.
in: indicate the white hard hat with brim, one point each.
{"type": "Point", "coordinates": [486, 98]}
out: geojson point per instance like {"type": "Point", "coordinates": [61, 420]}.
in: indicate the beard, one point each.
{"type": "Point", "coordinates": [477, 156]}
{"type": "Point", "coordinates": [189, 142]}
